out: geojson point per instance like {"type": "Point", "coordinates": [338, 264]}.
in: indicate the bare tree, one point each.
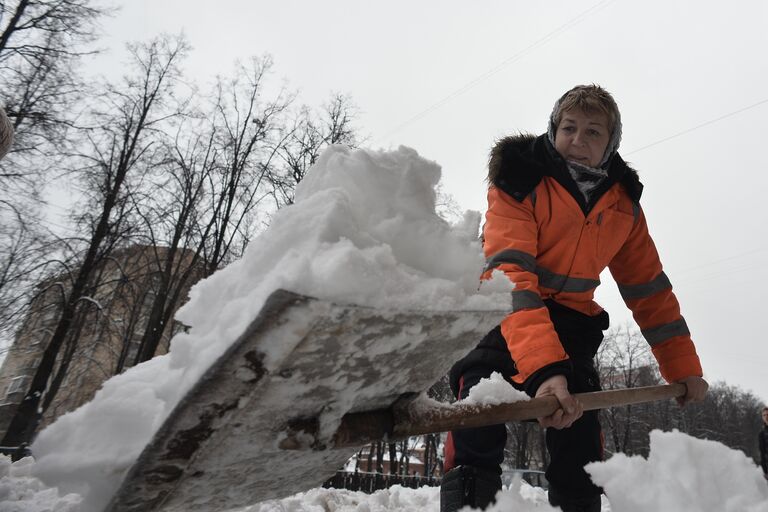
{"type": "Point", "coordinates": [20, 249]}
{"type": "Point", "coordinates": [521, 444]}
{"type": "Point", "coordinates": [310, 134]}
{"type": "Point", "coordinates": [193, 185]}
{"type": "Point", "coordinates": [41, 44]}
{"type": "Point", "coordinates": [393, 458]}
{"type": "Point", "coordinates": [433, 459]}
{"type": "Point", "coordinates": [201, 204]}
{"type": "Point", "coordinates": [25, 23]}
{"type": "Point", "coordinates": [727, 414]}
{"type": "Point", "coordinates": [122, 143]}
{"type": "Point", "coordinates": [625, 361]}
{"type": "Point", "coordinates": [248, 130]}
{"type": "Point", "coordinates": [169, 209]}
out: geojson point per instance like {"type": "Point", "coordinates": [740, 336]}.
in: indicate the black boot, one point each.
{"type": "Point", "coordinates": [468, 485]}
{"type": "Point", "coordinates": [574, 504]}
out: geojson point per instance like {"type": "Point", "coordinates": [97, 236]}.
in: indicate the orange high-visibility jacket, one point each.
{"type": "Point", "coordinates": [538, 234]}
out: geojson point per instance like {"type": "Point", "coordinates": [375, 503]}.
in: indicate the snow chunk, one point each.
{"type": "Point", "coordinates": [493, 391]}
{"type": "Point", "coordinates": [521, 497]}
{"type": "Point", "coordinates": [21, 492]}
{"type": "Point", "coordinates": [362, 230]}
{"type": "Point", "coordinates": [682, 474]}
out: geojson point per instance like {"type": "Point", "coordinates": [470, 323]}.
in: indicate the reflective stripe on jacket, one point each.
{"type": "Point", "coordinates": [551, 249]}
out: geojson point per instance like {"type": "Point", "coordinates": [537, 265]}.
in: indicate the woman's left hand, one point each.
{"type": "Point", "coordinates": [696, 390]}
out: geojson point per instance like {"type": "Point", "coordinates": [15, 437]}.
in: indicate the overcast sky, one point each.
{"type": "Point", "coordinates": [449, 77]}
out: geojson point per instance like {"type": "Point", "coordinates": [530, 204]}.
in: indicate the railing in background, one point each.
{"type": "Point", "coordinates": [372, 482]}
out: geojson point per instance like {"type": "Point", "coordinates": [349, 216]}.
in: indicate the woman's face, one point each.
{"type": "Point", "coordinates": [582, 137]}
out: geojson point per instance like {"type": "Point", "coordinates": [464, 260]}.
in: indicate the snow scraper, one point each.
{"type": "Point", "coordinates": [306, 384]}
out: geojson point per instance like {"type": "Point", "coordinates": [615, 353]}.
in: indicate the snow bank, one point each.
{"type": "Point", "coordinates": [683, 474]}
{"type": "Point", "coordinates": [396, 498]}
{"type": "Point", "coordinates": [21, 492]}
{"type": "Point", "coordinates": [520, 498]}
{"type": "Point", "coordinates": [363, 230]}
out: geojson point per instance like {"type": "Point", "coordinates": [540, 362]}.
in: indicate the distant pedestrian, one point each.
{"type": "Point", "coordinates": [763, 439]}
{"type": "Point", "coordinates": [6, 133]}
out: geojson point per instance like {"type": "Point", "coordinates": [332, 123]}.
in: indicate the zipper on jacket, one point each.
{"type": "Point", "coordinates": [573, 256]}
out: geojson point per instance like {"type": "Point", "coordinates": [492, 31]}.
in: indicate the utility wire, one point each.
{"type": "Point", "coordinates": [64, 209]}
{"type": "Point", "coordinates": [702, 125]}
{"type": "Point", "coordinates": [540, 42]}
{"type": "Point", "coordinates": [744, 254]}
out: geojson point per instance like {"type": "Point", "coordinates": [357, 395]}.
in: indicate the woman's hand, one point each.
{"type": "Point", "coordinates": [570, 408]}
{"type": "Point", "coordinates": [696, 390]}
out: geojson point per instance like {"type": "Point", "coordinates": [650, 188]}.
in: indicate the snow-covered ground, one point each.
{"type": "Point", "coordinates": [682, 474]}
{"type": "Point", "coordinates": [521, 497]}
{"type": "Point", "coordinates": [363, 230]}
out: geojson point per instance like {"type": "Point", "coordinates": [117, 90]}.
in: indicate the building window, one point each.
{"type": "Point", "coordinates": [17, 385]}
{"type": "Point", "coordinates": [50, 314]}
{"type": "Point", "coordinates": [133, 351]}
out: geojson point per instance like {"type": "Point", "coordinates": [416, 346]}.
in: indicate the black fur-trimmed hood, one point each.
{"type": "Point", "coordinates": [518, 163]}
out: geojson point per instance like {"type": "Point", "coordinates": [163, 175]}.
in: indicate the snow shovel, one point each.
{"type": "Point", "coordinates": [303, 367]}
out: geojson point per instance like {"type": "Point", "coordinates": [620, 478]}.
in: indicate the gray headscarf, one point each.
{"type": "Point", "coordinates": [588, 178]}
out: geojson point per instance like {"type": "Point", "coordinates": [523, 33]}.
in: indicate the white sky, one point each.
{"type": "Point", "coordinates": [448, 77]}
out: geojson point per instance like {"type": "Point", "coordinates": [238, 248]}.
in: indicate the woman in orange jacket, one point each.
{"type": "Point", "coordinates": [562, 207]}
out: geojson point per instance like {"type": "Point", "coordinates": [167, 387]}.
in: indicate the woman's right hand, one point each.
{"type": "Point", "coordinates": [570, 408]}
{"type": "Point", "coordinates": [696, 390]}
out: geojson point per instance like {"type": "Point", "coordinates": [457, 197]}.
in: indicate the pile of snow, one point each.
{"type": "Point", "coordinates": [396, 498]}
{"type": "Point", "coordinates": [683, 474]}
{"type": "Point", "coordinates": [520, 498]}
{"type": "Point", "coordinates": [493, 391]}
{"type": "Point", "coordinates": [363, 230]}
{"type": "Point", "coordinates": [22, 492]}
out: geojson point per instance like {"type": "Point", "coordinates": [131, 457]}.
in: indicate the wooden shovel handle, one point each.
{"type": "Point", "coordinates": [409, 418]}
{"type": "Point", "coordinates": [411, 422]}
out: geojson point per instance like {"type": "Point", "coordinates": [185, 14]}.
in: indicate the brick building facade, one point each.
{"type": "Point", "coordinates": [108, 331]}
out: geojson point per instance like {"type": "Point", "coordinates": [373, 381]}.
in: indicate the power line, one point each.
{"type": "Point", "coordinates": [694, 273]}
{"type": "Point", "coordinates": [720, 261]}
{"type": "Point", "coordinates": [64, 209]}
{"type": "Point", "coordinates": [540, 42]}
{"type": "Point", "coordinates": [68, 230]}
{"type": "Point", "coordinates": [706, 123]}
{"type": "Point", "coordinates": [728, 274]}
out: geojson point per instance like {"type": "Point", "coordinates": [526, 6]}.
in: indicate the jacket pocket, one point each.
{"type": "Point", "coordinates": [613, 230]}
